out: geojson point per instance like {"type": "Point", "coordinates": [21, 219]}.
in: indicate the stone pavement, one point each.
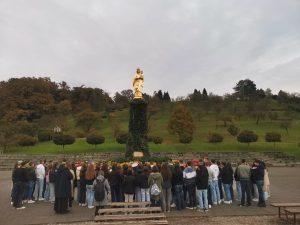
{"type": "Point", "coordinates": [285, 187]}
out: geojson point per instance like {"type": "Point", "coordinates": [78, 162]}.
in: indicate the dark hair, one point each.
{"type": "Point", "coordinates": [129, 172]}
{"type": "Point", "coordinates": [155, 169]}
{"type": "Point", "coordinates": [213, 161]}
{"type": "Point", "coordinates": [189, 163]}
{"type": "Point", "coordinates": [243, 160]}
{"type": "Point", "coordinates": [166, 172]}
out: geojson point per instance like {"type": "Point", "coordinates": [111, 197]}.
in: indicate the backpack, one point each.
{"type": "Point", "coordinates": [155, 190]}
{"type": "Point", "coordinates": [99, 191]}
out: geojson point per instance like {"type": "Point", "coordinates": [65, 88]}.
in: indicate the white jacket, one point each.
{"type": "Point", "coordinates": [40, 171]}
{"type": "Point", "coordinates": [215, 170]}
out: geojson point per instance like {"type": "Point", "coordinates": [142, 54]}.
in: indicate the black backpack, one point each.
{"type": "Point", "coordinates": [99, 191]}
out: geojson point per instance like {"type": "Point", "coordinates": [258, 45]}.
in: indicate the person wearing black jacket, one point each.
{"type": "Point", "coordinates": [202, 186]}
{"type": "Point", "coordinates": [257, 176]}
{"type": "Point", "coordinates": [30, 183]}
{"type": "Point", "coordinates": [63, 179]}
{"type": "Point", "coordinates": [129, 186]}
{"type": "Point", "coordinates": [143, 182]}
{"type": "Point", "coordinates": [20, 177]}
{"type": "Point", "coordinates": [177, 184]}
{"type": "Point", "coordinates": [115, 179]}
{"type": "Point", "coordinates": [227, 179]}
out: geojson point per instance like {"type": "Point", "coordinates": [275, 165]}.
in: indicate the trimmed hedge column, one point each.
{"type": "Point", "coordinates": [138, 127]}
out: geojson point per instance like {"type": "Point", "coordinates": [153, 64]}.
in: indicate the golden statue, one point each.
{"type": "Point", "coordinates": [138, 83]}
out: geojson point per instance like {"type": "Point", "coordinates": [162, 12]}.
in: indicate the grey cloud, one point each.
{"type": "Point", "coordinates": [181, 45]}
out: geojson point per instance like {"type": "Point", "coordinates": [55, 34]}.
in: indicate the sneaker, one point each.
{"type": "Point", "coordinates": [41, 199]}
{"type": "Point", "coordinates": [255, 199]}
{"type": "Point", "coordinates": [173, 205]}
{"type": "Point", "coordinates": [230, 202]}
{"type": "Point", "coordinates": [205, 210]}
{"type": "Point", "coordinates": [209, 206]}
{"type": "Point", "coordinates": [11, 203]}
{"type": "Point", "coordinates": [219, 202]}
{"type": "Point", "coordinates": [80, 204]}
{"type": "Point", "coordinates": [91, 207]}
{"type": "Point", "coordinates": [23, 207]}
{"type": "Point", "coordinates": [84, 204]}
{"type": "Point", "coordinates": [215, 203]}
{"type": "Point", "coordinates": [226, 202]}
{"type": "Point", "coordinates": [31, 201]}
{"type": "Point", "coordinates": [189, 207]}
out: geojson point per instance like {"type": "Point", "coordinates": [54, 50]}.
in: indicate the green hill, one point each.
{"type": "Point", "coordinates": [158, 127]}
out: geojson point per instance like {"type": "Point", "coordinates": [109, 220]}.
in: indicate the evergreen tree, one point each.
{"type": "Point", "coordinates": [204, 94]}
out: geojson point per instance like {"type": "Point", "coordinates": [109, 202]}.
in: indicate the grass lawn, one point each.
{"type": "Point", "coordinates": [158, 126]}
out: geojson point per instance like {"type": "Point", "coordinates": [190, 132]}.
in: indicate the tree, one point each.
{"type": "Point", "coordinates": [286, 124]}
{"type": "Point", "coordinates": [88, 119]}
{"type": "Point", "coordinates": [44, 135]}
{"type": "Point", "coordinates": [245, 89]}
{"type": "Point", "coordinates": [233, 130]}
{"type": "Point", "coordinates": [95, 138]}
{"type": "Point", "coordinates": [63, 139]}
{"type": "Point", "coordinates": [185, 138]}
{"type": "Point", "coordinates": [273, 116]}
{"type": "Point", "coordinates": [122, 138]}
{"type": "Point", "coordinates": [26, 140]}
{"type": "Point", "coordinates": [166, 97]}
{"type": "Point", "coordinates": [247, 136]}
{"type": "Point", "coordinates": [273, 137]}
{"type": "Point", "coordinates": [215, 138]}
{"type": "Point", "coordinates": [181, 123]}
{"type": "Point", "coordinates": [204, 94]}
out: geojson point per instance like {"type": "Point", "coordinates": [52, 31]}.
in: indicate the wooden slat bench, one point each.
{"type": "Point", "coordinates": [125, 204]}
{"type": "Point", "coordinates": [131, 212]}
{"type": "Point", "coordinates": [284, 205]}
{"type": "Point", "coordinates": [293, 212]}
{"type": "Point", "coordinates": [130, 217]}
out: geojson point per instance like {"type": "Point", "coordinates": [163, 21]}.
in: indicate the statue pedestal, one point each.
{"type": "Point", "coordinates": [138, 128]}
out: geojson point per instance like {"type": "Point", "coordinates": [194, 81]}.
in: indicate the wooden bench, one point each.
{"type": "Point", "coordinates": [284, 205]}
{"type": "Point", "coordinates": [131, 212]}
{"type": "Point", "coordinates": [293, 212]}
{"type": "Point", "coordinates": [127, 204]}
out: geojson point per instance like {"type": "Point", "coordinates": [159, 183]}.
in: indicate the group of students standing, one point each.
{"type": "Point", "coordinates": [198, 184]}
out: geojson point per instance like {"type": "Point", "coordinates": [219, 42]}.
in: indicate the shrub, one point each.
{"type": "Point", "coordinates": [185, 138]}
{"type": "Point", "coordinates": [273, 137]}
{"type": "Point", "coordinates": [157, 140]}
{"type": "Point", "coordinates": [63, 139]}
{"type": "Point", "coordinates": [247, 136]}
{"type": "Point", "coordinates": [80, 134]}
{"type": "Point", "coordinates": [26, 140]}
{"type": "Point", "coordinates": [233, 130]}
{"type": "Point", "coordinates": [95, 139]}
{"type": "Point", "coordinates": [215, 138]}
{"type": "Point", "coordinates": [44, 136]}
{"type": "Point", "coordinates": [122, 138]}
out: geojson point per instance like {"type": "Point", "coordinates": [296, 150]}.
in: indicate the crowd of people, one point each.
{"type": "Point", "coordinates": [197, 184]}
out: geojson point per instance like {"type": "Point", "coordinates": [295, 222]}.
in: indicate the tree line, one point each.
{"type": "Point", "coordinates": [30, 108]}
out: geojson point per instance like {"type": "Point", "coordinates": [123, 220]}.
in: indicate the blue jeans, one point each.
{"type": "Point", "coordinates": [39, 188]}
{"type": "Point", "coordinates": [138, 194]}
{"type": "Point", "coordinates": [78, 190]}
{"type": "Point", "coordinates": [51, 192]}
{"type": "Point", "coordinates": [47, 192]}
{"type": "Point", "coordinates": [238, 190]}
{"type": "Point", "coordinates": [261, 197]}
{"type": "Point", "coordinates": [115, 193]}
{"type": "Point", "coordinates": [202, 198]}
{"type": "Point", "coordinates": [145, 193]}
{"type": "Point", "coordinates": [227, 191]}
{"type": "Point", "coordinates": [29, 190]}
{"type": "Point", "coordinates": [215, 191]}
{"type": "Point", "coordinates": [179, 199]}
{"type": "Point", "coordinates": [89, 195]}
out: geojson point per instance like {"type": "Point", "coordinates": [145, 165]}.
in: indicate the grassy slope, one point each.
{"type": "Point", "coordinates": [205, 125]}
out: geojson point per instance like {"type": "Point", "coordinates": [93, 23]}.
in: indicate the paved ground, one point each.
{"type": "Point", "coordinates": [285, 187]}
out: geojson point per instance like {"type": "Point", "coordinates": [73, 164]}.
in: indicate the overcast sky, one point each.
{"type": "Point", "coordinates": [180, 44]}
